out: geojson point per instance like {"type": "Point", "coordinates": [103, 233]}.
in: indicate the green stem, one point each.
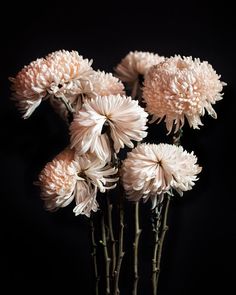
{"type": "Point", "coordinates": [106, 256]}
{"type": "Point", "coordinates": [162, 238]}
{"type": "Point", "coordinates": [94, 255]}
{"type": "Point", "coordinates": [111, 234]}
{"type": "Point", "coordinates": [121, 252]}
{"type": "Point", "coordinates": [156, 223]}
{"type": "Point", "coordinates": [135, 247]}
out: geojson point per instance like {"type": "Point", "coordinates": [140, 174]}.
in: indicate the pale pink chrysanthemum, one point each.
{"type": "Point", "coordinates": [61, 75]}
{"type": "Point", "coordinates": [104, 84]}
{"type": "Point", "coordinates": [151, 170]}
{"type": "Point", "coordinates": [116, 116]}
{"type": "Point", "coordinates": [70, 177]}
{"type": "Point", "coordinates": [58, 180]}
{"type": "Point", "coordinates": [69, 71]}
{"type": "Point", "coordinates": [180, 88]}
{"type": "Point", "coordinates": [30, 85]}
{"type": "Point", "coordinates": [134, 65]}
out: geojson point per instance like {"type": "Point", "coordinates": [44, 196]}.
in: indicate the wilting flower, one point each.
{"type": "Point", "coordinates": [116, 116]}
{"type": "Point", "coordinates": [151, 170]}
{"type": "Point", "coordinates": [62, 74]}
{"type": "Point", "coordinates": [71, 176]}
{"type": "Point", "coordinates": [180, 88]}
{"type": "Point", "coordinates": [104, 84]}
{"type": "Point", "coordinates": [135, 65]}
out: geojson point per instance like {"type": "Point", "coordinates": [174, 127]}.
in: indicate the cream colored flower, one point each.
{"type": "Point", "coordinates": [104, 84]}
{"type": "Point", "coordinates": [151, 170]}
{"type": "Point", "coordinates": [58, 180]}
{"type": "Point", "coordinates": [31, 85]}
{"type": "Point", "coordinates": [134, 65]}
{"type": "Point", "coordinates": [180, 88]}
{"type": "Point", "coordinates": [69, 71]}
{"type": "Point", "coordinates": [71, 176]}
{"type": "Point", "coordinates": [119, 116]}
{"type": "Point", "coordinates": [62, 75]}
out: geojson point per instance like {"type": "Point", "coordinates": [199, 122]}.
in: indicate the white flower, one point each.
{"type": "Point", "coordinates": [122, 116]}
{"type": "Point", "coordinates": [151, 170]}
{"type": "Point", "coordinates": [180, 88]}
{"type": "Point", "coordinates": [71, 176]}
{"type": "Point", "coordinates": [104, 84]}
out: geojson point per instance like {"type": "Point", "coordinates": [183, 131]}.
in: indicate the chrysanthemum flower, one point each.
{"type": "Point", "coordinates": [104, 84]}
{"type": "Point", "coordinates": [151, 170]}
{"type": "Point", "coordinates": [31, 85]}
{"type": "Point", "coordinates": [180, 88]}
{"type": "Point", "coordinates": [62, 74]}
{"type": "Point", "coordinates": [118, 116]}
{"type": "Point", "coordinates": [136, 64]}
{"type": "Point", "coordinates": [69, 176]}
{"type": "Point", "coordinates": [68, 70]}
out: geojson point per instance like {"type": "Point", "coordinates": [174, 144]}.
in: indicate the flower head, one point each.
{"type": "Point", "coordinates": [30, 85]}
{"type": "Point", "coordinates": [60, 74]}
{"type": "Point", "coordinates": [71, 176]}
{"type": "Point", "coordinates": [69, 70]}
{"type": "Point", "coordinates": [151, 170]}
{"type": "Point", "coordinates": [135, 64]}
{"type": "Point", "coordinates": [180, 88]}
{"type": "Point", "coordinates": [121, 116]}
{"type": "Point", "coordinates": [104, 84]}
{"type": "Point", "coordinates": [58, 179]}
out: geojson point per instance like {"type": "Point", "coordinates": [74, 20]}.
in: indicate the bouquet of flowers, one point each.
{"type": "Point", "coordinates": [108, 163]}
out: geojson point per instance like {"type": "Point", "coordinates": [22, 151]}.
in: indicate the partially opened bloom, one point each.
{"type": "Point", "coordinates": [180, 88]}
{"type": "Point", "coordinates": [151, 170]}
{"type": "Point", "coordinates": [116, 116]}
{"type": "Point", "coordinates": [70, 176]}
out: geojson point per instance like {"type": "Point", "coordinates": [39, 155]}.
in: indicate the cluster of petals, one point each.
{"type": "Point", "coordinates": [108, 123]}
{"type": "Point", "coordinates": [69, 176]}
{"type": "Point", "coordinates": [61, 74]}
{"type": "Point", "coordinates": [151, 170]}
{"type": "Point", "coordinates": [180, 88]}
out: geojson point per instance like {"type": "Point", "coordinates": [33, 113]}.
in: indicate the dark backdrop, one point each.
{"type": "Point", "coordinates": [45, 248]}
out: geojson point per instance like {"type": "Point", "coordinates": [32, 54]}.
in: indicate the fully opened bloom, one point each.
{"type": "Point", "coordinates": [116, 116]}
{"type": "Point", "coordinates": [180, 88]}
{"type": "Point", "coordinates": [70, 176]}
{"type": "Point", "coordinates": [61, 74]}
{"type": "Point", "coordinates": [151, 170]}
{"type": "Point", "coordinates": [30, 85]}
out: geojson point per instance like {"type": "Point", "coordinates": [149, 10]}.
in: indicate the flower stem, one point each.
{"type": "Point", "coordinates": [121, 252]}
{"type": "Point", "coordinates": [111, 234]}
{"type": "Point", "coordinates": [156, 223]}
{"type": "Point", "coordinates": [135, 247]}
{"type": "Point", "coordinates": [67, 104]}
{"type": "Point", "coordinates": [162, 238]}
{"type": "Point", "coordinates": [106, 256]}
{"type": "Point", "coordinates": [94, 255]}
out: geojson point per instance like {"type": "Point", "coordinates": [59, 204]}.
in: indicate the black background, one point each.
{"type": "Point", "coordinates": [54, 249]}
